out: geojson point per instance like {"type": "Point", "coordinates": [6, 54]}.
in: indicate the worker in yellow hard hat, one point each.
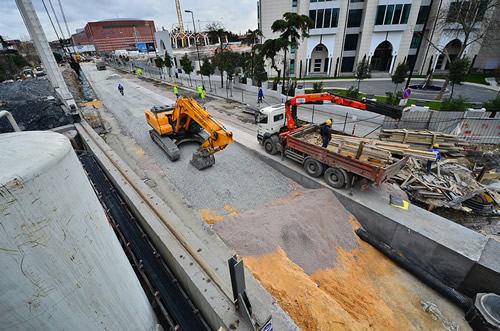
{"type": "Point", "coordinates": [326, 132]}
{"type": "Point", "coordinates": [438, 157]}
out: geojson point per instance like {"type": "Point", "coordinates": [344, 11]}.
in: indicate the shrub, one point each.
{"type": "Point", "coordinates": [393, 99]}
{"type": "Point", "coordinates": [492, 104]}
{"type": "Point", "coordinates": [352, 92]}
{"type": "Point", "coordinates": [459, 104]}
{"type": "Point", "coordinates": [318, 87]}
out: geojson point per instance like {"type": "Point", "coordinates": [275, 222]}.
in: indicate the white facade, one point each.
{"type": "Point", "coordinates": [382, 30]}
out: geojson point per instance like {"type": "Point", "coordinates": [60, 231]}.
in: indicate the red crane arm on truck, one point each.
{"type": "Point", "coordinates": [371, 106]}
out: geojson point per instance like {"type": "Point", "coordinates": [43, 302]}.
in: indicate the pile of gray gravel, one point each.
{"type": "Point", "coordinates": [28, 103]}
{"type": "Point", "coordinates": [308, 226]}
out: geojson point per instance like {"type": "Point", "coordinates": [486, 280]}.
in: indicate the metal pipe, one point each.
{"type": "Point", "coordinates": [11, 119]}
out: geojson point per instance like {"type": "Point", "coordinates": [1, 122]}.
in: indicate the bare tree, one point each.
{"type": "Point", "coordinates": [470, 21]}
{"type": "Point", "coordinates": [217, 32]}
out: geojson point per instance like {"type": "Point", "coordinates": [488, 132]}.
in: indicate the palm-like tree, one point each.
{"type": "Point", "coordinates": [251, 39]}
{"type": "Point", "coordinates": [270, 49]}
{"type": "Point", "coordinates": [292, 27]}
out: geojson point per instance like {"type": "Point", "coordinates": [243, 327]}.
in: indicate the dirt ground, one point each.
{"type": "Point", "coordinates": [304, 251]}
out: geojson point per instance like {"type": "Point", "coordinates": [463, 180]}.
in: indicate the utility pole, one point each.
{"type": "Point", "coordinates": [43, 49]}
{"type": "Point", "coordinates": [196, 43]}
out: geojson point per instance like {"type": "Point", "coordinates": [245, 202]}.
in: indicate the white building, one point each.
{"type": "Point", "coordinates": [382, 30]}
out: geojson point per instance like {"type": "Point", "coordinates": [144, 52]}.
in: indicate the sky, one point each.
{"type": "Point", "coordinates": [236, 15]}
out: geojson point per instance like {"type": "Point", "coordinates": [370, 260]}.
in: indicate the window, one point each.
{"type": "Point", "coordinates": [317, 65]}
{"type": "Point", "coordinates": [328, 18]}
{"type": "Point", "coordinates": [357, 0]}
{"type": "Point", "coordinates": [326, 65]}
{"type": "Point", "coordinates": [406, 13]}
{"type": "Point", "coordinates": [397, 14]}
{"type": "Point", "coordinates": [319, 19]}
{"type": "Point", "coordinates": [312, 15]}
{"type": "Point", "coordinates": [335, 17]}
{"type": "Point", "coordinates": [351, 42]}
{"type": "Point", "coordinates": [278, 117]}
{"type": "Point", "coordinates": [411, 61]}
{"type": "Point", "coordinates": [318, 48]}
{"type": "Point", "coordinates": [292, 49]}
{"type": "Point", "coordinates": [292, 66]}
{"type": "Point", "coordinates": [347, 64]}
{"type": "Point", "coordinates": [415, 40]}
{"type": "Point", "coordinates": [379, 19]}
{"type": "Point", "coordinates": [388, 14]}
{"type": "Point", "coordinates": [354, 20]}
{"type": "Point", "coordinates": [423, 13]}
{"type": "Point", "coordinates": [294, 3]}
{"type": "Point", "coordinates": [263, 119]}
{"type": "Point", "coordinates": [392, 14]}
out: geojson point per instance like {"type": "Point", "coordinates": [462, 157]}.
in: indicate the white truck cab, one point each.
{"type": "Point", "coordinates": [270, 121]}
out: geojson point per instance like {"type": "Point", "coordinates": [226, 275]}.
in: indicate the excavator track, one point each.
{"type": "Point", "coordinates": [166, 144]}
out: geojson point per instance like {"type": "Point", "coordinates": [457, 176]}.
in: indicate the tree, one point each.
{"type": "Point", "coordinates": [232, 61]}
{"type": "Point", "coordinates": [207, 69]}
{"type": "Point", "coordinates": [459, 104]}
{"type": "Point", "coordinates": [187, 66]}
{"type": "Point", "coordinates": [168, 62]}
{"type": "Point", "coordinates": [270, 49]}
{"type": "Point", "coordinates": [159, 62]}
{"type": "Point", "coordinates": [363, 70]}
{"type": "Point", "coordinates": [251, 39]}
{"type": "Point", "coordinates": [470, 21]}
{"type": "Point", "coordinates": [292, 27]}
{"type": "Point", "coordinates": [217, 32]}
{"type": "Point", "coordinates": [459, 69]}
{"type": "Point", "coordinates": [399, 75]}
{"type": "Point", "coordinates": [259, 71]}
{"type": "Point", "coordinates": [492, 105]}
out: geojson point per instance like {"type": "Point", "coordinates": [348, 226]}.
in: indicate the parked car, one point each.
{"type": "Point", "coordinates": [100, 65]}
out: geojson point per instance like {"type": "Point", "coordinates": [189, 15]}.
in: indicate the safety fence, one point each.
{"type": "Point", "coordinates": [474, 127]}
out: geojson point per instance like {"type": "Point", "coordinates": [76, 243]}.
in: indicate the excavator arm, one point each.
{"type": "Point", "coordinates": [319, 98]}
{"type": "Point", "coordinates": [187, 110]}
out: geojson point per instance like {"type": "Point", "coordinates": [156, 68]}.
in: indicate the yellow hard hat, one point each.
{"type": "Point", "coordinates": [436, 145]}
{"type": "Point", "coordinates": [328, 122]}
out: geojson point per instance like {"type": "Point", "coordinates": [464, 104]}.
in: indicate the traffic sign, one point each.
{"type": "Point", "coordinates": [407, 93]}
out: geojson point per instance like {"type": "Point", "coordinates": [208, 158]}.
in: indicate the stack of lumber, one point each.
{"type": "Point", "coordinates": [376, 152]}
{"type": "Point", "coordinates": [424, 139]}
{"type": "Point", "coordinates": [450, 186]}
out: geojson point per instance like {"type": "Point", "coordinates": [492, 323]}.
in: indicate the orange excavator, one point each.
{"type": "Point", "coordinates": [188, 121]}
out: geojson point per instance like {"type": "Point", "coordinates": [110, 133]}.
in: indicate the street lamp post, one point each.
{"type": "Point", "coordinates": [196, 43]}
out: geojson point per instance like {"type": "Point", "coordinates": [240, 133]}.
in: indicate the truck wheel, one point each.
{"type": "Point", "coordinates": [313, 168]}
{"type": "Point", "coordinates": [270, 147]}
{"type": "Point", "coordinates": [334, 177]}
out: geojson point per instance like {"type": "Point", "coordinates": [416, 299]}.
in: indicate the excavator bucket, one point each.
{"type": "Point", "coordinates": [202, 161]}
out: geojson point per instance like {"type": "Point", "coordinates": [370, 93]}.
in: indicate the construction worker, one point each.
{"type": "Point", "coordinates": [203, 97]}
{"type": "Point", "coordinates": [176, 91]}
{"type": "Point", "coordinates": [139, 71]}
{"type": "Point", "coordinates": [438, 157]}
{"type": "Point", "coordinates": [326, 133]}
{"type": "Point", "coordinates": [200, 89]}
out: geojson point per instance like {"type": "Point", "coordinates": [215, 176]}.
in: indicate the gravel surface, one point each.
{"type": "Point", "coordinates": [307, 226]}
{"type": "Point", "coordinates": [27, 101]}
{"type": "Point", "coordinates": [238, 180]}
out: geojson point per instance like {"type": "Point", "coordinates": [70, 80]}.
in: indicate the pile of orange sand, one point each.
{"type": "Point", "coordinates": [359, 289]}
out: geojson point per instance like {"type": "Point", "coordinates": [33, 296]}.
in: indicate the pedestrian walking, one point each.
{"type": "Point", "coordinates": [203, 93]}
{"type": "Point", "coordinates": [200, 89]}
{"type": "Point", "coordinates": [120, 88]}
{"type": "Point", "coordinates": [261, 95]}
{"type": "Point", "coordinates": [176, 91]}
{"type": "Point", "coordinates": [438, 157]}
{"type": "Point", "coordinates": [326, 133]}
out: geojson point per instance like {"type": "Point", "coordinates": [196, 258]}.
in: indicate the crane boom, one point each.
{"type": "Point", "coordinates": [181, 24]}
{"type": "Point", "coordinates": [315, 98]}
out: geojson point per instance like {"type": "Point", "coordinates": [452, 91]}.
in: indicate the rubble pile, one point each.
{"type": "Point", "coordinates": [449, 185]}
{"type": "Point", "coordinates": [33, 104]}
{"type": "Point", "coordinates": [425, 139]}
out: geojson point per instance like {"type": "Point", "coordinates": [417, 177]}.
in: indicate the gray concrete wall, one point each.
{"type": "Point", "coordinates": [461, 258]}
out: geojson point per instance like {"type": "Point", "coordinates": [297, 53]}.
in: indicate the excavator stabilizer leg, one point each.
{"type": "Point", "coordinates": [166, 144]}
{"type": "Point", "coordinates": [201, 161]}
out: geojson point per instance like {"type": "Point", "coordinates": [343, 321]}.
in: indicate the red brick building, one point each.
{"type": "Point", "coordinates": [120, 33]}
{"type": "Point", "coordinates": [80, 38]}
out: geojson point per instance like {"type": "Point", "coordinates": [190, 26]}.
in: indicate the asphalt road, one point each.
{"type": "Point", "coordinates": [238, 181]}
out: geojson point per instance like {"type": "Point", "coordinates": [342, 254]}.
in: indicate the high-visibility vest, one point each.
{"type": "Point", "coordinates": [176, 91]}
{"type": "Point", "coordinates": [203, 94]}
{"type": "Point", "coordinates": [200, 89]}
